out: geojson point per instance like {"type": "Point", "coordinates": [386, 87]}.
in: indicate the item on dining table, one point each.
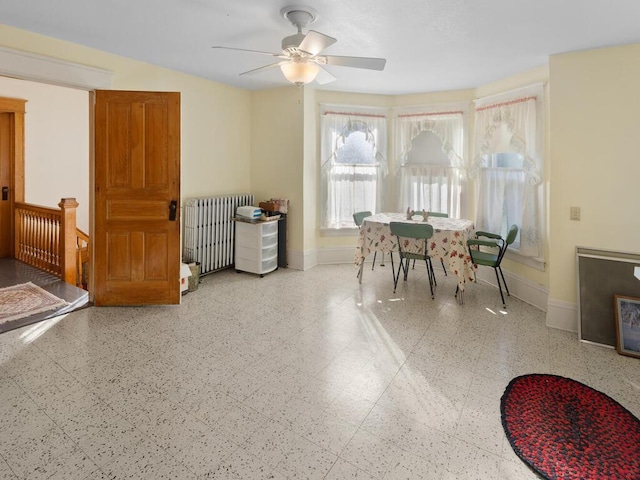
{"type": "Point", "coordinates": [409, 213]}
{"type": "Point", "coordinates": [425, 216]}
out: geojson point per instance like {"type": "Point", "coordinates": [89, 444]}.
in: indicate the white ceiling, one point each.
{"type": "Point", "coordinates": [432, 45]}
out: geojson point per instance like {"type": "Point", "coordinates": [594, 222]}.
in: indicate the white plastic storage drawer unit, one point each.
{"type": "Point", "coordinates": [256, 247]}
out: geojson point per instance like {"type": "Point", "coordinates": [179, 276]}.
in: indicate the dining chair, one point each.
{"type": "Point", "coordinates": [494, 257]}
{"type": "Point", "coordinates": [442, 215]}
{"type": "Point", "coordinates": [418, 231]}
{"type": "Point", "coordinates": [358, 217]}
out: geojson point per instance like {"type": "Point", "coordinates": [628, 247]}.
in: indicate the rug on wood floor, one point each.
{"type": "Point", "coordinates": [24, 300]}
{"type": "Point", "coordinates": [564, 429]}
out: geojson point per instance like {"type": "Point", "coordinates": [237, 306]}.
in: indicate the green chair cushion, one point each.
{"type": "Point", "coordinates": [485, 258]}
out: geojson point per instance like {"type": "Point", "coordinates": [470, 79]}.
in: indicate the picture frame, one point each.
{"type": "Point", "coordinates": [627, 313]}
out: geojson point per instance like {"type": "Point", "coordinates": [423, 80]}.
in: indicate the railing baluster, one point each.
{"type": "Point", "coordinates": [38, 240]}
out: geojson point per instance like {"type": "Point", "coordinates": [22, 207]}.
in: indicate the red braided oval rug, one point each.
{"type": "Point", "coordinates": [565, 430]}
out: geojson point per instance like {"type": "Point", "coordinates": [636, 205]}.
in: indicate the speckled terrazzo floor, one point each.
{"type": "Point", "coordinates": [295, 375]}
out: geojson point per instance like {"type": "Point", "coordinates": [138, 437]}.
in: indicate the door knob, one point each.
{"type": "Point", "coordinates": [173, 210]}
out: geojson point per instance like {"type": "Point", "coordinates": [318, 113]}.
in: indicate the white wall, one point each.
{"type": "Point", "coordinates": [56, 144]}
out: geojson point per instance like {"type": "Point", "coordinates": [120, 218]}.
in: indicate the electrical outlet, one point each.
{"type": "Point", "coordinates": [574, 213]}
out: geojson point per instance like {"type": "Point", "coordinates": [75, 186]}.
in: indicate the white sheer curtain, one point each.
{"type": "Point", "coordinates": [352, 165]}
{"type": "Point", "coordinates": [435, 188]}
{"type": "Point", "coordinates": [424, 181]}
{"type": "Point", "coordinates": [508, 195]}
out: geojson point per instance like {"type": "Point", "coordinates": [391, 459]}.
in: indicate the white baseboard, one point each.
{"type": "Point", "coordinates": [302, 260]}
{"type": "Point", "coordinates": [334, 255]}
{"type": "Point", "coordinates": [562, 315]}
{"type": "Point", "coordinates": [519, 287]}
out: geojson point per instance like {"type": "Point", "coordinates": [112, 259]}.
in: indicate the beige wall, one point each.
{"type": "Point", "coordinates": [56, 144]}
{"type": "Point", "coordinates": [277, 155]}
{"type": "Point", "coordinates": [310, 185]}
{"type": "Point", "coordinates": [595, 143]}
{"type": "Point", "coordinates": [215, 118]}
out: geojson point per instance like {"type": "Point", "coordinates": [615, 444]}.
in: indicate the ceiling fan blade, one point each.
{"type": "Point", "coordinates": [262, 69]}
{"type": "Point", "coordinates": [279, 55]}
{"type": "Point", "coordinates": [324, 77]}
{"type": "Point", "coordinates": [314, 42]}
{"type": "Point", "coordinates": [356, 62]}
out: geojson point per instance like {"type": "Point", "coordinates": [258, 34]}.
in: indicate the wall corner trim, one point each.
{"type": "Point", "coordinates": [562, 315]}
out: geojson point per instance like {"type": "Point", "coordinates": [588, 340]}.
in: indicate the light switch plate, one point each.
{"type": "Point", "coordinates": [574, 213]}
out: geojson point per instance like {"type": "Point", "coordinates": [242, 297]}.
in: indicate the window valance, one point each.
{"type": "Point", "coordinates": [337, 126]}
{"type": "Point", "coordinates": [447, 126]}
{"type": "Point", "coordinates": [510, 126]}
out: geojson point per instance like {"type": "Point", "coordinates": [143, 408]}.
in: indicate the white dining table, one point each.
{"type": "Point", "coordinates": [449, 242]}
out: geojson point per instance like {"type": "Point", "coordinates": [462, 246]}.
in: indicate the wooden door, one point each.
{"type": "Point", "coordinates": [6, 161]}
{"type": "Point", "coordinates": [137, 198]}
{"type": "Point", "coordinates": [11, 167]}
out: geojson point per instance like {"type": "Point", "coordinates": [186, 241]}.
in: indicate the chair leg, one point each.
{"type": "Point", "coordinates": [406, 270]}
{"type": "Point", "coordinates": [433, 273]}
{"type": "Point", "coordinates": [374, 260]}
{"type": "Point", "coordinates": [504, 304]}
{"type": "Point", "coordinates": [382, 261]}
{"type": "Point", "coordinates": [393, 272]}
{"type": "Point", "coordinates": [427, 262]}
{"type": "Point", "coordinates": [404, 267]}
{"type": "Point", "coordinates": [504, 281]}
{"type": "Point", "coordinates": [443, 267]}
{"type": "Point", "coordinates": [360, 270]}
{"type": "Point", "coordinates": [459, 295]}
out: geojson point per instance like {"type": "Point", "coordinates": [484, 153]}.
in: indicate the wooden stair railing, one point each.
{"type": "Point", "coordinates": [48, 239]}
{"type": "Point", "coordinates": [82, 259]}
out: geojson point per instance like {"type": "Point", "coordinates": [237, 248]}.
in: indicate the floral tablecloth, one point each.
{"type": "Point", "coordinates": [449, 241]}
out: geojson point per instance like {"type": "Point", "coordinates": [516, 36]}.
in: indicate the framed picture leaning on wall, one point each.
{"type": "Point", "coordinates": [627, 311]}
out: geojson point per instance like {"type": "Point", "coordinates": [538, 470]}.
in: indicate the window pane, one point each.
{"type": "Point", "coordinates": [427, 180]}
{"type": "Point", "coordinates": [352, 165]}
{"type": "Point", "coordinates": [503, 160]}
{"type": "Point", "coordinates": [501, 200]}
{"type": "Point", "coordinates": [356, 150]}
{"type": "Point", "coordinates": [426, 148]}
{"type": "Point", "coordinates": [351, 189]}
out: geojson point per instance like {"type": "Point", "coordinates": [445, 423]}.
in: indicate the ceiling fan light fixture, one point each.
{"type": "Point", "coordinates": [300, 73]}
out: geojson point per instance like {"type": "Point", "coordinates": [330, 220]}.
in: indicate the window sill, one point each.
{"type": "Point", "coordinates": [339, 232]}
{"type": "Point", "coordinates": [535, 263]}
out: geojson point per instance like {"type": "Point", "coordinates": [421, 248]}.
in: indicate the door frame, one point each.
{"type": "Point", "coordinates": [15, 107]}
{"type": "Point", "coordinates": [34, 67]}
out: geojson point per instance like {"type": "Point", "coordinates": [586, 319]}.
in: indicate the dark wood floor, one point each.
{"type": "Point", "coordinates": [14, 272]}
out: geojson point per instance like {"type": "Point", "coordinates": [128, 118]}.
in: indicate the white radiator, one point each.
{"type": "Point", "coordinates": [209, 230]}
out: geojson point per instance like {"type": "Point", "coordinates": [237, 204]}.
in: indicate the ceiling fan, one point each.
{"type": "Point", "coordinates": [300, 60]}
